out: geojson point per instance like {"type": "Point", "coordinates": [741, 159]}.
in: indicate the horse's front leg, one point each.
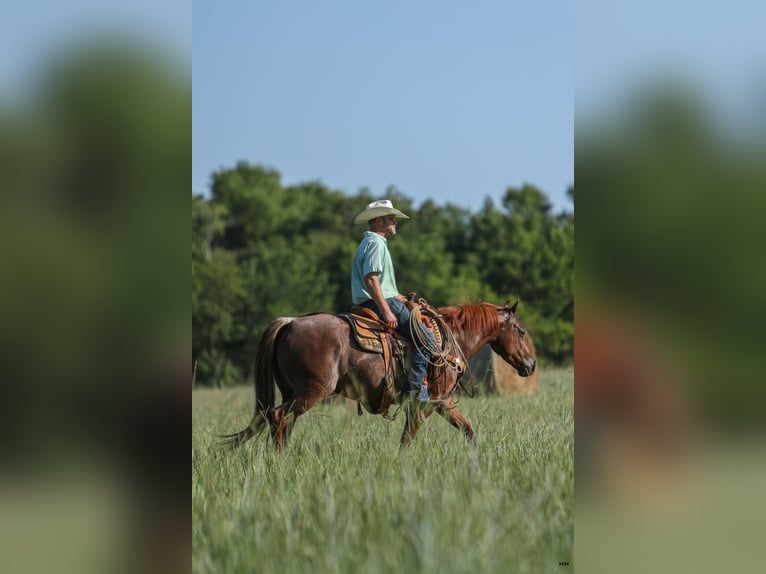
{"type": "Point", "coordinates": [414, 417]}
{"type": "Point", "coordinates": [448, 409]}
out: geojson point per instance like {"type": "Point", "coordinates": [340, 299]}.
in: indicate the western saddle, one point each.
{"type": "Point", "coordinates": [372, 335]}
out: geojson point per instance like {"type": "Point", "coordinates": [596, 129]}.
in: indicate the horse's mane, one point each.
{"type": "Point", "coordinates": [469, 316]}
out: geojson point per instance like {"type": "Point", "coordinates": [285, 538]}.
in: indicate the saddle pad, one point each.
{"type": "Point", "coordinates": [367, 331]}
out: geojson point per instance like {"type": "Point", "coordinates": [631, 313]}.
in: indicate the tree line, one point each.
{"type": "Point", "coordinates": [262, 250]}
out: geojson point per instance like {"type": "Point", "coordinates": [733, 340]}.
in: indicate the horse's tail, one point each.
{"type": "Point", "coordinates": [264, 374]}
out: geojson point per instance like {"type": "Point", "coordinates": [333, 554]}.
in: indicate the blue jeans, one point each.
{"type": "Point", "coordinates": [419, 359]}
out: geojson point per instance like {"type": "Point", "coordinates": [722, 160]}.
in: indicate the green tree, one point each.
{"type": "Point", "coordinates": [528, 252]}
{"type": "Point", "coordinates": [218, 320]}
{"type": "Point", "coordinates": [253, 197]}
{"type": "Point", "coordinates": [208, 226]}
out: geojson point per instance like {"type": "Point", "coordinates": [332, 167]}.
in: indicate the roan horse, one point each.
{"type": "Point", "coordinates": [313, 356]}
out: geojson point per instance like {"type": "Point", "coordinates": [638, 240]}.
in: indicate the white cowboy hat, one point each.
{"type": "Point", "coordinates": [378, 209]}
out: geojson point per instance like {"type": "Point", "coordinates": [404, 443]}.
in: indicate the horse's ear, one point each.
{"type": "Point", "coordinates": [513, 308]}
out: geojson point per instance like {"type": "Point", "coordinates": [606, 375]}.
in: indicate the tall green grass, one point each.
{"type": "Point", "coordinates": [344, 498]}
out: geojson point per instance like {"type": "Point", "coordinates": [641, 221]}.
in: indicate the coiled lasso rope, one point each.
{"type": "Point", "coordinates": [446, 351]}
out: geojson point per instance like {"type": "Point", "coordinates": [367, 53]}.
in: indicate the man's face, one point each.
{"type": "Point", "coordinates": [388, 224]}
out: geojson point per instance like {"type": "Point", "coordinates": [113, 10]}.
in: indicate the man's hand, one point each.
{"type": "Point", "coordinates": [373, 287]}
{"type": "Point", "coordinates": [391, 321]}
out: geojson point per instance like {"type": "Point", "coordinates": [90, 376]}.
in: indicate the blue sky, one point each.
{"type": "Point", "coordinates": [452, 101]}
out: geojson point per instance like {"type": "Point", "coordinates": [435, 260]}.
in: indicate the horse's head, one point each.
{"type": "Point", "coordinates": [511, 341]}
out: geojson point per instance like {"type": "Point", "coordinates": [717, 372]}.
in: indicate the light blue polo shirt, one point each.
{"type": "Point", "coordinates": [372, 256]}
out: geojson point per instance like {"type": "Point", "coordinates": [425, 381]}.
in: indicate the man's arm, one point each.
{"type": "Point", "coordinates": [373, 288]}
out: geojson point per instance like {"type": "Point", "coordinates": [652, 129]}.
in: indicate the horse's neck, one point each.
{"type": "Point", "coordinates": [471, 338]}
{"type": "Point", "coordinates": [472, 342]}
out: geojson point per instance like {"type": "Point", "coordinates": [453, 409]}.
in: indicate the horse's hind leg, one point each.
{"type": "Point", "coordinates": [284, 416]}
{"type": "Point", "coordinates": [448, 409]}
{"type": "Point", "coordinates": [279, 419]}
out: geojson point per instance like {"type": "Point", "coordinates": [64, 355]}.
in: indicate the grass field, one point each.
{"type": "Point", "coordinates": [343, 498]}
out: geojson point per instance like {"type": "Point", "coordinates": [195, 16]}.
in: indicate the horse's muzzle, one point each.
{"type": "Point", "coordinates": [527, 368]}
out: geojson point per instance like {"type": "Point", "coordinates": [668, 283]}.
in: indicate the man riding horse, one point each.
{"type": "Point", "coordinates": [373, 285]}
